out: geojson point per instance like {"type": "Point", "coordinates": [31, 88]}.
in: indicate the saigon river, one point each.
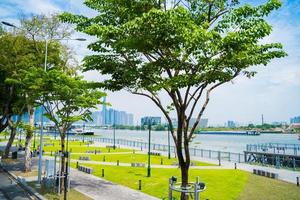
{"type": "Point", "coordinates": [231, 143]}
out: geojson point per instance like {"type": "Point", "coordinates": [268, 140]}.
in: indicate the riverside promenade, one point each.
{"type": "Point", "coordinates": [283, 174]}
{"type": "Point", "coordinates": [97, 188]}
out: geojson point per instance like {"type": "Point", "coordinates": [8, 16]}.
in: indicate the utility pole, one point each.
{"type": "Point", "coordinates": [114, 129]}
{"type": "Point", "coordinates": [149, 148]}
{"type": "Point", "coordinates": [169, 148]}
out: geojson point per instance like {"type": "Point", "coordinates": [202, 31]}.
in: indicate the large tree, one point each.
{"type": "Point", "coordinates": [22, 70]}
{"type": "Point", "coordinates": [183, 48]}
{"type": "Point", "coordinates": [67, 99]}
{"type": "Point", "coordinates": [15, 54]}
{"type": "Point", "coordinates": [44, 33]}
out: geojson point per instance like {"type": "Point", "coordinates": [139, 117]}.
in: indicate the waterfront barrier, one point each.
{"type": "Point", "coordinates": [196, 152]}
{"type": "Point", "coordinates": [275, 148]}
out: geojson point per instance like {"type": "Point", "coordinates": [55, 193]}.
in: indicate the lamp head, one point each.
{"type": "Point", "coordinates": [8, 24]}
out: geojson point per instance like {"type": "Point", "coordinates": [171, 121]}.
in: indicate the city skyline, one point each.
{"type": "Point", "coordinates": [273, 91]}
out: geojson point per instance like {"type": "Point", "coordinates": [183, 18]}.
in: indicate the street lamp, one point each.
{"type": "Point", "coordinates": [149, 147]}
{"type": "Point", "coordinates": [114, 129]}
{"type": "Point", "coordinates": [169, 147]}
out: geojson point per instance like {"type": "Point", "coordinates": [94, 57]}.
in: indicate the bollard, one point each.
{"type": "Point", "coordinates": [234, 165]}
{"type": "Point", "coordinates": [161, 161]}
{"type": "Point", "coordinates": [140, 184]}
{"type": "Point", "coordinates": [103, 158]}
{"type": "Point", "coordinates": [77, 164]}
{"type": "Point", "coordinates": [117, 162]}
{"type": "Point", "coordinates": [219, 157]}
{"type": "Point", "coordinates": [102, 172]}
{"type": "Point", "coordinates": [297, 181]}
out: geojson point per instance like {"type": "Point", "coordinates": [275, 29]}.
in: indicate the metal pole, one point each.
{"type": "Point", "coordinates": [169, 147]}
{"type": "Point", "coordinates": [149, 149]}
{"type": "Point", "coordinates": [42, 122]}
{"type": "Point", "coordinates": [34, 136]}
{"type": "Point", "coordinates": [114, 129]}
{"type": "Point", "coordinates": [67, 141]}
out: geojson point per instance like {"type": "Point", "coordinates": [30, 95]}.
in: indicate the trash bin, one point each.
{"type": "Point", "coordinates": [14, 155]}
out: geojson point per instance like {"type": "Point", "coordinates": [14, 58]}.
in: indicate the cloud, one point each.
{"type": "Point", "coordinates": [273, 91]}
{"type": "Point", "coordinates": [26, 7]}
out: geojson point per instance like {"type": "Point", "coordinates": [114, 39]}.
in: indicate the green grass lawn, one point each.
{"type": "Point", "coordinates": [74, 146]}
{"type": "Point", "coordinates": [221, 184]}
{"type": "Point", "coordinates": [50, 195]}
{"type": "Point", "coordinates": [261, 188]}
{"type": "Point", "coordinates": [83, 148]}
{"type": "Point", "coordinates": [134, 157]}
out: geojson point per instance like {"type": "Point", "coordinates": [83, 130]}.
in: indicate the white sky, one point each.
{"type": "Point", "coordinates": [274, 91]}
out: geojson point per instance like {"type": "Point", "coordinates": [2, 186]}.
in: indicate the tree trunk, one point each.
{"type": "Point", "coordinates": [63, 163]}
{"type": "Point", "coordinates": [10, 141]}
{"type": "Point", "coordinates": [3, 124]}
{"type": "Point", "coordinates": [27, 162]}
{"type": "Point", "coordinates": [184, 180]}
{"type": "Point", "coordinates": [183, 154]}
{"type": "Point", "coordinates": [29, 133]}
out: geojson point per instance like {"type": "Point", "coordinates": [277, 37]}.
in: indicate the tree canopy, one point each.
{"type": "Point", "coordinates": [149, 46]}
{"type": "Point", "coordinates": [184, 49]}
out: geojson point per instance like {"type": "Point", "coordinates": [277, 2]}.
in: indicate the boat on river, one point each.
{"type": "Point", "coordinates": [246, 133]}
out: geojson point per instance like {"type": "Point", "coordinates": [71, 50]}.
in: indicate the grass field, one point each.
{"type": "Point", "coordinates": [221, 184]}
{"type": "Point", "coordinates": [135, 157]}
{"type": "Point", "coordinates": [261, 188]}
{"type": "Point", "coordinates": [218, 181]}
{"type": "Point", "coordinates": [72, 194]}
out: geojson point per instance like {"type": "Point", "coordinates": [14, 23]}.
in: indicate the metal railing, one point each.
{"type": "Point", "coordinates": [196, 152]}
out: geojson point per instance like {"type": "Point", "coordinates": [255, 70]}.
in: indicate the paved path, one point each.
{"type": "Point", "coordinates": [283, 174]}
{"type": "Point", "coordinates": [10, 190]}
{"type": "Point", "coordinates": [98, 188]}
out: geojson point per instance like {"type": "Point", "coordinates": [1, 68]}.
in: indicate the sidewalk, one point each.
{"type": "Point", "coordinates": [98, 188]}
{"type": "Point", "coordinates": [10, 190]}
{"type": "Point", "coordinates": [283, 174]}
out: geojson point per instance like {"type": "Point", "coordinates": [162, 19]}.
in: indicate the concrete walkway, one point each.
{"type": "Point", "coordinates": [10, 190]}
{"type": "Point", "coordinates": [98, 188]}
{"type": "Point", "coordinates": [283, 174]}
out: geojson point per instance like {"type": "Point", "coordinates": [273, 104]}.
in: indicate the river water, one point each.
{"type": "Point", "coordinates": [231, 143]}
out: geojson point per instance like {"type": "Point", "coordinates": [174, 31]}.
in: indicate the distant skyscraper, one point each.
{"type": "Point", "coordinates": [104, 111]}
{"type": "Point", "coordinates": [202, 124]}
{"type": "Point", "coordinates": [111, 116]}
{"type": "Point", "coordinates": [130, 119]}
{"type": "Point", "coordinates": [295, 120]}
{"type": "Point", "coordinates": [154, 120]}
{"type": "Point", "coordinates": [231, 124]}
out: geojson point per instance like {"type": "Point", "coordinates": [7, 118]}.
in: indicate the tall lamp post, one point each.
{"type": "Point", "coordinates": [149, 148]}
{"type": "Point", "coordinates": [169, 147]}
{"type": "Point", "coordinates": [42, 112]}
{"type": "Point", "coordinates": [114, 129]}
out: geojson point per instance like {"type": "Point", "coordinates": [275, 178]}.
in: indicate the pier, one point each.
{"type": "Point", "coordinates": [275, 154]}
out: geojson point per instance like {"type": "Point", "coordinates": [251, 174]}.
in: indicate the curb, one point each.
{"type": "Point", "coordinates": [23, 185]}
